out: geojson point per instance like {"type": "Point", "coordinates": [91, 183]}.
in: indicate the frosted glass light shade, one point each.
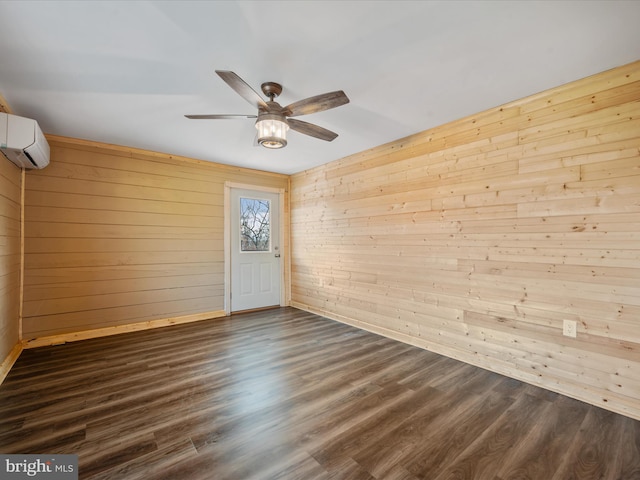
{"type": "Point", "coordinates": [272, 132]}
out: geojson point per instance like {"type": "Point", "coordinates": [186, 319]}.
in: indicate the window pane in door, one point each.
{"type": "Point", "coordinates": [255, 225]}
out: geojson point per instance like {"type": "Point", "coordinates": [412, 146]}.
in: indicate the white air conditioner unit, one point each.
{"type": "Point", "coordinates": [22, 141]}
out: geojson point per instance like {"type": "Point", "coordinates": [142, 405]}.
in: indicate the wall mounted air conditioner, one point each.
{"type": "Point", "coordinates": [22, 141]}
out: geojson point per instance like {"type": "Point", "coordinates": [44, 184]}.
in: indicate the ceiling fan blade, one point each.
{"type": "Point", "coordinates": [316, 104]}
{"type": "Point", "coordinates": [242, 88]}
{"type": "Point", "coordinates": [311, 129]}
{"type": "Point", "coordinates": [218, 117]}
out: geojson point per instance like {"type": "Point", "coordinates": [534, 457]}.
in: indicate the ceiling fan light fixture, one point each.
{"type": "Point", "coordinates": [273, 119]}
{"type": "Point", "coordinates": [272, 131]}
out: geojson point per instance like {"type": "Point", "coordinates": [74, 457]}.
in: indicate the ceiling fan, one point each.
{"type": "Point", "coordinates": [273, 120]}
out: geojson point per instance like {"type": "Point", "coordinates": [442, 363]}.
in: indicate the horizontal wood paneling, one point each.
{"type": "Point", "coordinates": [10, 199]}
{"type": "Point", "coordinates": [476, 239]}
{"type": "Point", "coordinates": [117, 236]}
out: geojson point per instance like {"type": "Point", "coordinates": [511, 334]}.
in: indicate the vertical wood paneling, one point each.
{"type": "Point", "coordinates": [10, 195]}
{"type": "Point", "coordinates": [116, 236]}
{"type": "Point", "coordinates": [478, 238]}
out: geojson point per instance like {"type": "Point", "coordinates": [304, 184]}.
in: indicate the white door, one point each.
{"type": "Point", "coordinates": [255, 249]}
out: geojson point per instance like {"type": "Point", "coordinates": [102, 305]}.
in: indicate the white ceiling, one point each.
{"type": "Point", "coordinates": [125, 72]}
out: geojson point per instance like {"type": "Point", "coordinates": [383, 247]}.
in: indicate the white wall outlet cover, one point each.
{"type": "Point", "coordinates": [569, 328]}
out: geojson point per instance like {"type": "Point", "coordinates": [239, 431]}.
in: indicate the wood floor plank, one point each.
{"type": "Point", "coordinates": [445, 438]}
{"type": "Point", "coordinates": [481, 459]}
{"type": "Point", "coordinates": [285, 394]}
{"type": "Point", "coordinates": [394, 446]}
{"type": "Point", "coordinates": [594, 449]}
{"type": "Point", "coordinates": [151, 464]}
{"type": "Point", "coordinates": [542, 450]}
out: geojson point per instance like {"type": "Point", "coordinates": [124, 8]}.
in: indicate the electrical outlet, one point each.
{"type": "Point", "coordinates": [569, 328]}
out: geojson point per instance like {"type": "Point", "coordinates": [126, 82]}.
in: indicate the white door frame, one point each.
{"type": "Point", "coordinates": [227, 239]}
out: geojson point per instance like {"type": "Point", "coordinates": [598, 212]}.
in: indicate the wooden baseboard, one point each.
{"type": "Point", "coordinates": [8, 362]}
{"type": "Point", "coordinates": [385, 332]}
{"type": "Point", "coordinates": [435, 348]}
{"type": "Point", "coordinates": [131, 327]}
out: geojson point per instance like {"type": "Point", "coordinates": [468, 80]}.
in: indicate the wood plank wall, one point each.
{"type": "Point", "coordinates": [10, 198]}
{"type": "Point", "coordinates": [478, 238]}
{"type": "Point", "coordinates": [117, 236]}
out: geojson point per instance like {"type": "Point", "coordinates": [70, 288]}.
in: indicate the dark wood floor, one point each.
{"type": "Point", "coordinates": [284, 394]}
